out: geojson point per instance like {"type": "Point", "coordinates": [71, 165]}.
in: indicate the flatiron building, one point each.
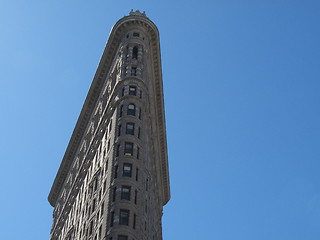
{"type": "Point", "coordinates": [113, 180]}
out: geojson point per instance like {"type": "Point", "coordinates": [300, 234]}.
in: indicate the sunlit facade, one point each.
{"type": "Point", "coordinates": [113, 181]}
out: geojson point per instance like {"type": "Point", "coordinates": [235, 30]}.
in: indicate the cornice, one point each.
{"type": "Point", "coordinates": [95, 90]}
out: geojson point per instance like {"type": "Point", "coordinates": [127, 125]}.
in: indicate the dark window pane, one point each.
{"type": "Point", "coordinates": [121, 110]}
{"type": "Point", "coordinates": [133, 71]}
{"type": "Point", "coordinates": [118, 150]}
{"type": "Point", "coordinates": [131, 110]}
{"type": "Point", "coordinates": [114, 194]}
{"type": "Point", "coordinates": [128, 149]}
{"type": "Point", "coordinates": [132, 91]}
{"type": "Point", "coordinates": [125, 192]}
{"type": "Point", "coordinates": [122, 237]}
{"type": "Point", "coordinates": [127, 169]}
{"type": "Point", "coordinates": [135, 53]}
{"type": "Point", "coordinates": [130, 128]}
{"type": "Point", "coordinates": [124, 217]}
{"type": "Point", "coordinates": [111, 219]}
{"type": "Point", "coordinates": [116, 171]}
{"type": "Point", "coordinates": [119, 130]}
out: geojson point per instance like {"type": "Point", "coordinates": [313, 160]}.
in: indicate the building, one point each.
{"type": "Point", "coordinates": [113, 180]}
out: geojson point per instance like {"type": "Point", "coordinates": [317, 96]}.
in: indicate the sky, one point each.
{"type": "Point", "coordinates": [241, 84]}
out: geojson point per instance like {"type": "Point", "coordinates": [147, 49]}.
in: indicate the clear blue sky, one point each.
{"type": "Point", "coordinates": [242, 96]}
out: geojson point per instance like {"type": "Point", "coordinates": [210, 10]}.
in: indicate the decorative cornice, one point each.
{"type": "Point", "coordinates": [95, 91]}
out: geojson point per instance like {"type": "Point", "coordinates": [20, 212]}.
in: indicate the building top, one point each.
{"type": "Point", "coordinates": [138, 13]}
{"type": "Point", "coordinates": [135, 18]}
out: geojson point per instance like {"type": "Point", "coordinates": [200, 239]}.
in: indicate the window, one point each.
{"type": "Point", "coordinates": [122, 92]}
{"type": "Point", "coordinates": [131, 110]}
{"type": "Point", "coordinates": [125, 192]}
{"type": "Point", "coordinates": [127, 169]}
{"type": "Point", "coordinates": [135, 53]}
{"type": "Point", "coordinates": [128, 149]}
{"type": "Point", "coordinates": [139, 132]}
{"type": "Point", "coordinates": [122, 237]}
{"type": "Point", "coordinates": [136, 34]}
{"type": "Point", "coordinates": [120, 111]}
{"type": "Point", "coordinates": [138, 152]}
{"type": "Point", "coordinates": [118, 150]}
{"type": "Point", "coordinates": [130, 128]}
{"type": "Point", "coordinates": [135, 196]}
{"type": "Point", "coordinates": [140, 113]}
{"type": "Point", "coordinates": [119, 130]}
{"type": "Point", "coordinates": [137, 174]}
{"type": "Point", "coordinates": [134, 221]}
{"type": "Point", "coordinates": [114, 194]}
{"type": "Point", "coordinates": [116, 171]}
{"type": "Point", "coordinates": [134, 71]}
{"type": "Point", "coordinates": [124, 217]}
{"type": "Point", "coordinates": [132, 91]}
{"type": "Point", "coordinates": [111, 219]}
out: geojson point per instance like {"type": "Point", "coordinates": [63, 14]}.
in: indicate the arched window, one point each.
{"type": "Point", "coordinates": [135, 53]}
{"type": "Point", "coordinates": [131, 110]}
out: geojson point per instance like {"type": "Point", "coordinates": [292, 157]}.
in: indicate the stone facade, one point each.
{"type": "Point", "coordinates": [113, 180]}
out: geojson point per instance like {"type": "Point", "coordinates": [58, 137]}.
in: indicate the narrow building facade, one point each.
{"type": "Point", "coordinates": [113, 181]}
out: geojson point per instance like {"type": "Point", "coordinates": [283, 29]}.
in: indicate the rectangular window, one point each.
{"type": "Point", "coordinates": [130, 128]}
{"type": "Point", "coordinates": [124, 217]}
{"type": "Point", "coordinates": [119, 130]}
{"type": "Point", "coordinates": [125, 192]}
{"type": "Point", "coordinates": [135, 196]}
{"type": "Point", "coordinates": [134, 221]}
{"type": "Point", "coordinates": [114, 194]}
{"type": "Point", "coordinates": [132, 91]}
{"type": "Point", "coordinates": [120, 111]}
{"type": "Point", "coordinates": [128, 149]}
{"type": "Point", "coordinates": [139, 132]}
{"type": "Point", "coordinates": [118, 150]}
{"type": "Point", "coordinates": [122, 237]}
{"type": "Point", "coordinates": [136, 34]}
{"type": "Point", "coordinates": [116, 171]}
{"type": "Point", "coordinates": [133, 71]}
{"type": "Point", "coordinates": [127, 169]}
{"type": "Point", "coordinates": [131, 110]}
{"type": "Point", "coordinates": [137, 174]}
{"type": "Point", "coordinates": [111, 219]}
{"type": "Point", "coordinates": [138, 153]}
